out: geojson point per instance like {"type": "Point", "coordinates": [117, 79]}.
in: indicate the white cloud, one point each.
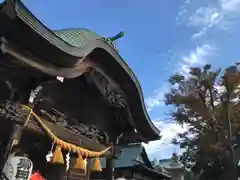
{"type": "Point", "coordinates": [157, 99]}
{"type": "Point", "coordinates": [183, 10]}
{"type": "Point", "coordinates": [197, 57]}
{"type": "Point", "coordinates": [205, 18]}
{"type": "Point", "coordinates": [230, 6]}
{"type": "Point", "coordinates": [219, 13]}
{"type": "Point", "coordinates": [169, 131]}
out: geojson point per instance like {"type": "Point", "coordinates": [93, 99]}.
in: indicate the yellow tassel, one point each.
{"type": "Point", "coordinates": [80, 164]}
{"type": "Point", "coordinates": [57, 156]}
{"type": "Point", "coordinates": [97, 165]}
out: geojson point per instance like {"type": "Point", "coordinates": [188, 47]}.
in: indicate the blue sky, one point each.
{"type": "Point", "coordinates": [161, 37]}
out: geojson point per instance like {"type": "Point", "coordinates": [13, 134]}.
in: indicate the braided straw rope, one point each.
{"type": "Point", "coordinates": [67, 146]}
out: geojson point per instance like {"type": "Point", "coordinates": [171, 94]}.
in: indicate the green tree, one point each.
{"type": "Point", "coordinates": [208, 102]}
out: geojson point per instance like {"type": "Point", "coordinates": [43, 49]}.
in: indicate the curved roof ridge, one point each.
{"type": "Point", "coordinates": [72, 28]}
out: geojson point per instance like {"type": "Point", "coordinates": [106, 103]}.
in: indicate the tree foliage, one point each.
{"type": "Point", "coordinates": [201, 100]}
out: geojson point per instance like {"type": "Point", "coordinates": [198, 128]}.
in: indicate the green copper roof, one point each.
{"type": "Point", "coordinates": [77, 37]}
{"type": "Point", "coordinates": [127, 158]}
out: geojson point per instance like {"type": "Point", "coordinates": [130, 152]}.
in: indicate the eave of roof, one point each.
{"type": "Point", "coordinates": [25, 15]}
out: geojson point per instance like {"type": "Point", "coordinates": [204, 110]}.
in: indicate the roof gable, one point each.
{"type": "Point", "coordinates": [140, 159]}
{"type": "Point", "coordinates": [143, 158]}
{"type": "Point", "coordinates": [131, 155]}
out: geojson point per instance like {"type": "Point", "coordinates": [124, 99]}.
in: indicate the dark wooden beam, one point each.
{"type": "Point", "coordinates": [67, 135]}
{"type": "Point", "coordinates": [110, 163]}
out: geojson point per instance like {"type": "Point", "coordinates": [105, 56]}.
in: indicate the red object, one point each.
{"type": "Point", "coordinates": [36, 176]}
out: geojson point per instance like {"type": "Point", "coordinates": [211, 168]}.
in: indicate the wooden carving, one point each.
{"type": "Point", "coordinates": [15, 112]}
{"type": "Point", "coordinates": [111, 94]}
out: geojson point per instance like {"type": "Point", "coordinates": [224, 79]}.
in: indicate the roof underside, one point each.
{"type": "Point", "coordinates": [72, 45]}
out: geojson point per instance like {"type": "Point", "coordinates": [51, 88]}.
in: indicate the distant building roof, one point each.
{"type": "Point", "coordinates": [130, 156]}
{"type": "Point", "coordinates": [166, 165]}
{"type": "Point", "coordinates": [164, 162]}
{"type": "Point", "coordinates": [135, 155]}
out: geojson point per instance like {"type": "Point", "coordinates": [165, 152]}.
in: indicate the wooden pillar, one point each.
{"type": "Point", "coordinates": [14, 139]}
{"type": "Point", "coordinates": [110, 168]}
{"type": "Point", "coordinates": [16, 135]}
{"type": "Point", "coordinates": [110, 163]}
{"type": "Point", "coordinates": [88, 169]}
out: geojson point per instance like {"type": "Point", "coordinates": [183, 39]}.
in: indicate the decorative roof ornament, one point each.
{"type": "Point", "coordinates": [110, 40]}
{"type": "Point", "coordinates": [114, 38]}
{"type": "Point", "coordinates": [175, 164]}
{"type": "Point", "coordinates": [174, 158]}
